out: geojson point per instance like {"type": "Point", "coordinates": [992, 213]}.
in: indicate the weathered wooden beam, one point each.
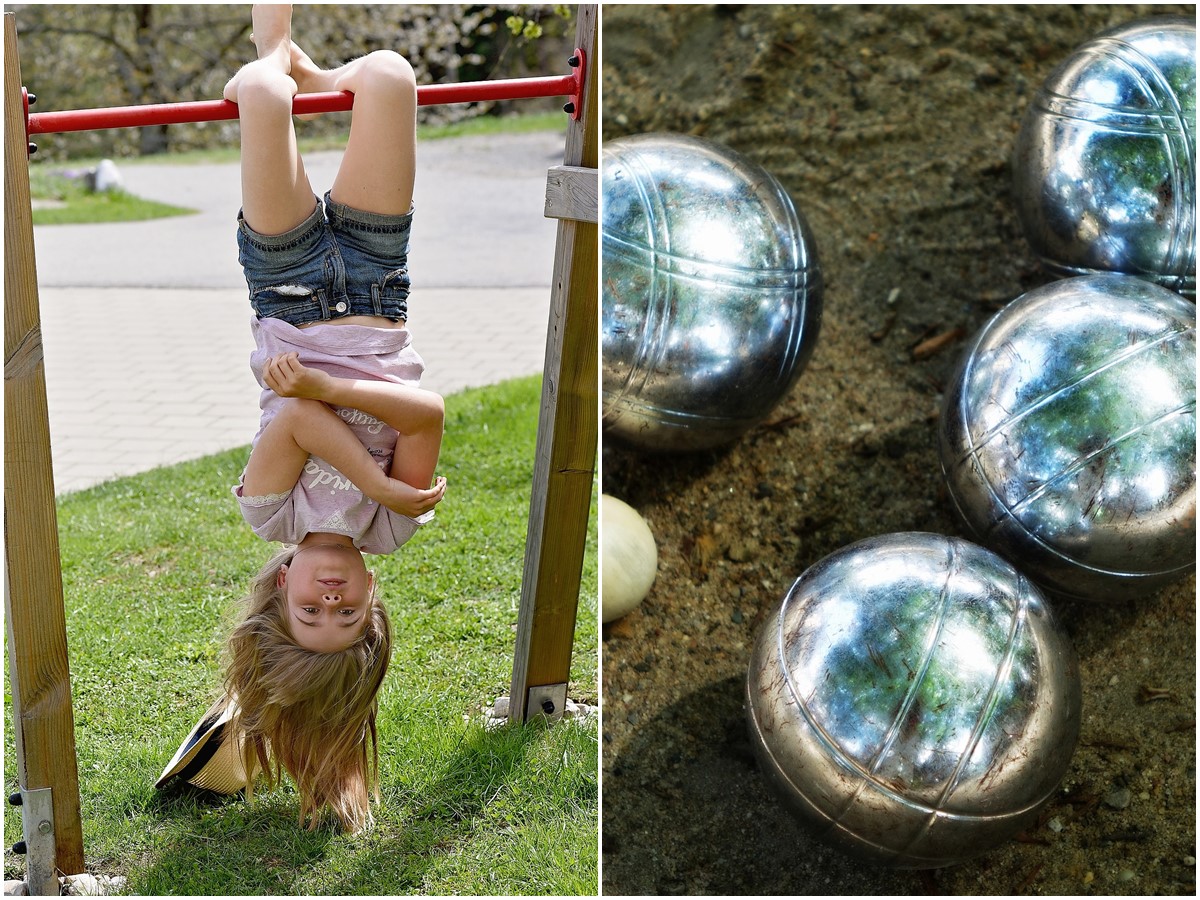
{"type": "Point", "coordinates": [43, 722]}
{"type": "Point", "coordinates": [565, 463]}
{"type": "Point", "coordinates": [571, 193]}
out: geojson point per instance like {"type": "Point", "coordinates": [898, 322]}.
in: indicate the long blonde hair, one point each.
{"type": "Point", "coordinates": [311, 714]}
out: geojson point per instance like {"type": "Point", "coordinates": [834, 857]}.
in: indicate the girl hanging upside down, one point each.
{"type": "Point", "coordinates": [343, 463]}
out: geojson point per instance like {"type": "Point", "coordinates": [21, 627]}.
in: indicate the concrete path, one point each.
{"type": "Point", "coordinates": [146, 324]}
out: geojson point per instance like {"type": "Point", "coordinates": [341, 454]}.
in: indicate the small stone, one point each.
{"type": "Point", "coordinates": [1112, 681]}
{"type": "Point", "coordinates": [16, 889]}
{"type": "Point", "coordinates": [987, 74]}
{"type": "Point", "coordinates": [764, 491]}
{"type": "Point", "coordinates": [737, 617]}
{"type": "Point", "coordinates": [500, 708]}
{"type": "Point", "coordinates": [105, 177]}
{"type": "Point", "coordinates": [83, 885]}
{"type": "Point", "coordinates": [1126, 875]}
{"type": "Point", "coordinates": [742, 551]}
{"type": "Point", "coordinates": [1120, 798]}
{"type": "Point", "coordinates": [1055, 825]}
{"type": "Point", "coordinates": [1089, 878]}
{"type": "Point", "coordinates": [1189, 860]}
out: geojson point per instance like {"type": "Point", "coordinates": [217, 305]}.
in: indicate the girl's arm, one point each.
{"type": "Point", "coordinates": [304, 428]}
{"type": "Point", "coordinates": [416, 415]}
{"type": "Point", "coordinates": [407, 409]}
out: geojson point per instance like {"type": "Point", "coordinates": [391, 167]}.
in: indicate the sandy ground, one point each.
{"type": "Point", "coordinates": [892, 127]}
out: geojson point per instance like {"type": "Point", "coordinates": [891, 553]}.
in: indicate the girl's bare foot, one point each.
{"type": "Point", "coordinates": [310, 78]}
{"type": "Point", "coordinates": [272, 37]}
{"type": "Point", "coordinates": [272, 33]}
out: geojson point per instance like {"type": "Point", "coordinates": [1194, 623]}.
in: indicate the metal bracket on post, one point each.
{"type": "Point", "coordinates": [546, 700]}
{"type": "Point", "coordinates": [578, 64]}
{"type": "Point", "coordinates": [37, 823]}
{"type": "Point", "coordinates": [27, 100]}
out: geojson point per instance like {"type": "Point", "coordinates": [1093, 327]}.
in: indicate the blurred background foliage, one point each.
{"type": "Point", "coordinates": [76, 56]}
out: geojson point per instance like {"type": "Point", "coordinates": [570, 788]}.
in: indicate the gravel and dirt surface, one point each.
{"type": "Point", "coordinates": [892, 127]}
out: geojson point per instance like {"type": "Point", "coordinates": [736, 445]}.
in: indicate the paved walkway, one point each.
{"type": "Point", "coordinates": [146, 325]}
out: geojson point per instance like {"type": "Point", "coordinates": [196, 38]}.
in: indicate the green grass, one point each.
{"type": "Point", "coordinates": [525, 124]}
{"type": "Point", "coordinates": [151, 565]}
{"type": "Point", "coordinates": [81, 205]}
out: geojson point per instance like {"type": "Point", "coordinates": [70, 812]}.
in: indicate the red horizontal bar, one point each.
{"type": "Point", "coordinates": [335, 101]}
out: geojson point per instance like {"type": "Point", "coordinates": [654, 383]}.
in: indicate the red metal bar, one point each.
{"type": "Point", "coordinates": [335, 101]}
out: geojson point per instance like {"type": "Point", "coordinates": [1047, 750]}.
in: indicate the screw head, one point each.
{"type": "Point", "coordinates": [44, 827]}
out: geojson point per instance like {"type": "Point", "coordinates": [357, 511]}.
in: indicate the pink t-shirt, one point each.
{"type": "Point", "coordinates": [324, 500]}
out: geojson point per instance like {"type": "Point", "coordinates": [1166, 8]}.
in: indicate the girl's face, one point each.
{"type": "Point", "coordinates": [329, 595]}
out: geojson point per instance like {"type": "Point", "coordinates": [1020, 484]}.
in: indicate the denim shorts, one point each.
{"type": "Point", "coordinates": [337, 262]}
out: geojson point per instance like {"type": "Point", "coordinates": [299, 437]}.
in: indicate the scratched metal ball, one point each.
{"type": "Point", "coordinates": [913, 700]}
{"type": "Point", "coordinates": [1105, 163]}
{"type": "Point", "coordinates": [711, 293]}
{"type": "Point", "coordinates": [1068, 436]}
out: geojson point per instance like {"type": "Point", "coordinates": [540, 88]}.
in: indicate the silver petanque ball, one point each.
{"type": "Point", "coordinates": [1105, 162]}
{"type": "Point", "coordinates": [913, 700]}
{"type": "Point", "coordinates": [1068, 436]}
{"type": "Point", "coordinates": [711, 292]}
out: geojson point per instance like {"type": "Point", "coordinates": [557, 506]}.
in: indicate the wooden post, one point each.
{"type": "Point", "coordinates": [565, 460]}
{"type": "Point", "coordinates": [33, 599]}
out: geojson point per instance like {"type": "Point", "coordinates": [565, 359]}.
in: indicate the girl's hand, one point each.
{"type": "Point", "coordinates": [288, 377]}
{"type": "Point", "coordinates": [412, 502]}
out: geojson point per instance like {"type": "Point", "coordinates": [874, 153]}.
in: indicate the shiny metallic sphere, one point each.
{"type": "Point", "coordinates": [913, 700]}
{"type": "Point", "coordinates": [1105, 163]}
{"type": "Point", "coordinates": [1068, 436]}
{"type": "Point", "coordinates": [711, 293]}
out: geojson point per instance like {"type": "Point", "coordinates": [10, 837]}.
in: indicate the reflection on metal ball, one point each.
{"type": "Point", "coordinates": [913, 700]}
{"type": "Point", "coordinates": [1068, 436]}
{"type": "Point", "coordinates": [711, 292]}
{"type": "Point", "coordinates": [1105, 163]}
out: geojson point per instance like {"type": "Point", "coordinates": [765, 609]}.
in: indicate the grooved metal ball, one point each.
{"type": "Point", "coordinates": [711, 296]}
{"type": "Point", "coordinates": [1105, 162]}
{"type": "Point", "coordinates": [1068, 436]}
{"type": "Point", "coordinates": [913, 700]}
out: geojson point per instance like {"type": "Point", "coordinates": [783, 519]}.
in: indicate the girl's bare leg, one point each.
{"type": "Point", "coordinates": [379, 167]}
{"type": "Point", "coordinates": [416, 456]}
{"type": "Point", "coordinates": [276, 195]}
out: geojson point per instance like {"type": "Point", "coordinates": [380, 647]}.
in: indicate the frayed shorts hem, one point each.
{"type": "Point", "coordinates": [338, 262]}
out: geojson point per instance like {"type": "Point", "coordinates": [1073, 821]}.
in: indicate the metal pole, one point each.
{"type": "Point", "coordinates": [304, 104]}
